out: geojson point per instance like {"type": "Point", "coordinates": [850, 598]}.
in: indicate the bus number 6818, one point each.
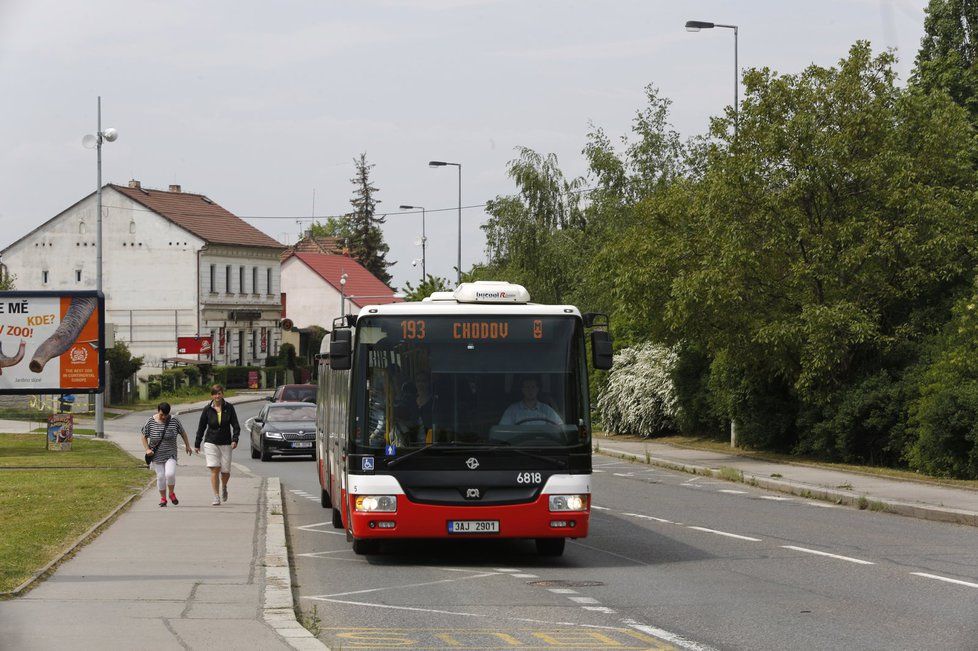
{"type": "Point", "coordinates": [528, 478]}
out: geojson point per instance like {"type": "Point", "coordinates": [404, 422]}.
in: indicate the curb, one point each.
{"type": "Point", "coordinates": [36, 576]}
{"type": "Point", "coordinates": [862, 502]}
{"type": "Point", "coordinates": [278, 609]}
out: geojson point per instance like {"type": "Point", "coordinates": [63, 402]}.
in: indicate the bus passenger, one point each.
{"type": "Point", "coordinates": [529, 409]}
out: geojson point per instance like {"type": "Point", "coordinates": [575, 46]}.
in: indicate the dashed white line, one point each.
{"type": "Point", "coordinates": [624, 474]}
{"type": "Point", "coordinates": [584, 600]}
{"type": "Point", "coordinates": [600, 508]}
{"type": "Point", "coordinates": [663, 634]}
{"type": "Point", "coordinates": [822, 504]}
{"type": "Point", "coordinates": [775, 498]}
{"type": "Point", "coordinates": [649, 517]}
{"type": "Point", "coordinates": [841, 558]}
{"type": "Point", "coordinates": [600, 609]}
{"type": "Point", "coordinates": [946, 579]}
{"type": "Point", "coordinates": [505, 569]}
{"type": "Point", "coordinates": [525, 576]}
{"type": "Point", "coordinates": [732, 492]}
{"type": "Point", "coordinates": [724, 533]}
{"type": "Point", "coordinates": [562, 591]}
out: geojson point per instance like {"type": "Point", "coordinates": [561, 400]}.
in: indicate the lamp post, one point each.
{"type": "Point", "coordinates": [440, 163]}
{"type": "Point", "coordinates": [697, 25]}
{"type": "Point", "coordinates": [89, 142]}
{"type": "Point", "coordinates": [343, 295]}
{"type": "Point", "coordinates": [424, 240]}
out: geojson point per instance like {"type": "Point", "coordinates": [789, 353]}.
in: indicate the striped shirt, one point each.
{"type": "Point", "coordinates": [153, 431]}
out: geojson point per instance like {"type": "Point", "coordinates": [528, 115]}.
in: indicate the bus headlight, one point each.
{"type": "Point", "coordinates": [568, 502]}
{"type": "Point", "coordinates": [376, 503]}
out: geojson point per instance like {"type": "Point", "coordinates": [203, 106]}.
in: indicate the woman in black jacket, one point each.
{"type": "Point", "coordinates": [219, 430]}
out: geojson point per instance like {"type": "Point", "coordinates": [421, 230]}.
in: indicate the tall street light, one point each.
{"type": "Point", "coordinates": [95, 141]}
{"type": "Point", "coordinates": [424, 240]}
{"type": "Point", "coordinates": [697, 25]}
{"type": "Point", "coordinates": [439, 163]}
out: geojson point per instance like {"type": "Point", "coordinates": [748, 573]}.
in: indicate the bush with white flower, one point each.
{"type": "Point", "coordinates": [639, 397]}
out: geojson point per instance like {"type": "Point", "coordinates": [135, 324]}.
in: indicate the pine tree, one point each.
{"type": "Point", "coordinates": [948, 56]}
{"type": "Point", "coordinates": [366, 240]}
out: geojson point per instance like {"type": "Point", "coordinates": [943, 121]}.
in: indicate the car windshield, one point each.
{"type": "Point", "coordinates": [299, 394]}
{"type": "Point", "coordinates": [291, 412]}
{"type": "Point", "coordinates": [495, 380]}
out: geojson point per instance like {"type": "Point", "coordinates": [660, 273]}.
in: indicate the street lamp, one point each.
{"type": "Point", "coordinates": [343, 295]}
{"type": "Point", "coordinates": [439, 163]}
{"type": "Point", "coordinates": [89, 142]}
{"type": "Point", "coordinates": [424, 240]}
{"type": "Point", "coordinates": [697, 25]}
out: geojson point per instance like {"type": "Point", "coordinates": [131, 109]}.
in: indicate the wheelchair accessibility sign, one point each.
{"type": "Point", "coordinates": [367, 463]}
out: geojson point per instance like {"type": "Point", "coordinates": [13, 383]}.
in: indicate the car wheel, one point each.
{"type": "Point", "coordinates": [265, 454]}
{"type": "Point", "coordinates": [364, 547]}
{"type": "Point", "coordinates": [324, 498]}
{"type": "Point", "coordinates": [550, 546]}
{"type": "Point", "coordinates": [337, 518]}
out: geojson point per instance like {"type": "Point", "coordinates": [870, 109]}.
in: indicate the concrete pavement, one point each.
{"type": "Point", "coordinates": [903, 497]}
{"type": "Point", "coordinates": [181, 577]}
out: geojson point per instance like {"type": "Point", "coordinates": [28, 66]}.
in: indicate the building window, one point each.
{"type": "Point", "coordinates": [227, 279]}
{"type": "Point", "coordinates": [241, 285]}
{"type": "Point", "coordinates": [213, 279]}
{"type": "Point", "coordinates": [81, 227]}
{"type": "Point", "coordinates": [268, 281]}
{"type": "Point", "coordinates": [254, 280]}
{"type": "Point", "coordinates": [77, 275]}
{"type": "Point", "coordinates": [254, 344]}
{"type": "Point", "coordinates": [44, 277]}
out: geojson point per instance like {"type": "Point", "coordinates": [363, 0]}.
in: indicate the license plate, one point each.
{"type": "Point", "coordinates": [302, 444]}
{"type": "Point", "coordinates": [473, 526]}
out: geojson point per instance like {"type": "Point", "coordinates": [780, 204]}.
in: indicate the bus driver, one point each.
{"type": "Point", "coordinates": [529, 408]}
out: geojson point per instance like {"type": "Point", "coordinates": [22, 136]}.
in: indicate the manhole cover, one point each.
{"type": "Point", "coordinates": [559, 583]}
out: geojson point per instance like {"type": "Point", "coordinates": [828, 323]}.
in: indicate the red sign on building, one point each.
{"type": "Point", "coordinates": [194, 346]}
{"type": "Point", "coordinates": [264, 339]}
{"type": "Point", "coordinates": [220, 341]}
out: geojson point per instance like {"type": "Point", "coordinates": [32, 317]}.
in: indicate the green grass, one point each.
{"type": "Point", "coordinates": [12, 413]}
{"type": "Point", "coordinates": [187, 394]}
{"type": "Point", "coordinates": [77, 430]}
{"type": "Point", "coordinates": [43, 511]}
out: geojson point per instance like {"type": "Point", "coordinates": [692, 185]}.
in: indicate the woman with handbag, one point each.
{"type": "Point", "coordinates": [159, 436]}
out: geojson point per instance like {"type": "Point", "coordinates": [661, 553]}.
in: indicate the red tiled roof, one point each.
{"type": "Point", "coordinates": [201, 216]}
{"type": "Point", "coordinates": [311, 244]}
{"type": "Point", "coordinates": [359, 281]}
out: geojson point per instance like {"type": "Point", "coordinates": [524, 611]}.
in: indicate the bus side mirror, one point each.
{"type": "Point", "coordinates": [602, 353]}
{"type": "Point", "coordinates": [340, 358]}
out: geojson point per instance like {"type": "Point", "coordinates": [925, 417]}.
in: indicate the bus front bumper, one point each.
{"type": "Point", "coordinates": [414, 520]}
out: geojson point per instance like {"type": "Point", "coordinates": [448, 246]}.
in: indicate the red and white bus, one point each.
{"type": "Point", "coordinates": [462, 416]}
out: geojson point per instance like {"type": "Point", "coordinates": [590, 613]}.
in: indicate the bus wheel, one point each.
{"type": "Point", "coordinates": [550, 546]}
{"type": "Point", "coordinates": [337, 518]}
{"type": "Point", "coordinates": [324, 498]}
{"type": "Point", "coordinates": [363, 547]}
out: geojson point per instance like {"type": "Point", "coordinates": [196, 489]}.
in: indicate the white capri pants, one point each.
{"type": "Point", "coordinates": [166, 473]}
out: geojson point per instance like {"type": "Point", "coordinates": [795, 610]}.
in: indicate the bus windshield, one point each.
{"type": "Point", "coordinates": [495, 380]}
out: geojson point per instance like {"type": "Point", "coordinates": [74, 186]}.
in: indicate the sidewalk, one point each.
{"type": "Point", "coordinates": [187, 576]}
{"type": "Point", "coordinates": [903, 497]}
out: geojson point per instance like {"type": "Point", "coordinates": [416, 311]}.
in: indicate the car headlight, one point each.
{"type": "Point", "coordinates": [376, 503]}
{"type": "Point", "coordinates": [273, 435]}
{"type": "Point", "coordinates": [568, 502]}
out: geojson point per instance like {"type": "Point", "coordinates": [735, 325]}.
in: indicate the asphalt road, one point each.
{"type": "Point", "coordinates": [671, 560]}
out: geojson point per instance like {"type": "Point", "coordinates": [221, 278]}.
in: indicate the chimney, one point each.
{"type": "Point", "coordinates": [133, 183]}
{"type": "Point", "coordinates": [174, 188]}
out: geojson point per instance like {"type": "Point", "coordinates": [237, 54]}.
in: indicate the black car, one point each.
{"type": "Point", "coordinates": [283, 428]}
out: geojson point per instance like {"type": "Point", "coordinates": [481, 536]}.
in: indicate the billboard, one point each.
{"type": "Point", "coordinates": [51, 342]}
{"type": "Point", "coordinates": [194, 346]}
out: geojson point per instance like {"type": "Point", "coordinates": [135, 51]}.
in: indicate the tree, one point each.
{"type": "Point", "coordinates": [334, 227]}
{"type": "Point", "coordinates": [123, 366]}
{"type": "Point", "coordinates": [366, 240]}
{"type": "Point", "coordinates": [948, 56]}
{"type": "Point", "coordinates": [429, 286]}
{"type": "Point", "coordinates": [7, 282]}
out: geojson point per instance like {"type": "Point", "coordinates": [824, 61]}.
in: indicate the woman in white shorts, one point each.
{"type": "Point", "coordinates": [218, 429]}
{"type": "Point", "coordinates": [160, 432]}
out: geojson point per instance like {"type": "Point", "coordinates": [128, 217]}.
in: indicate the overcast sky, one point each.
{"type": "Point", "coordinates": [259, 104]}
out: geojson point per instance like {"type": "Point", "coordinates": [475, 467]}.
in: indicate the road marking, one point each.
{"type": "Point", "coordinates": [775, 498]}
{"type": "Point", "coordinates": [505, 569]}
{"type": "Point", "coordinates": [321, 554]}
{"type": "Point", "coordinates": [600, 508]}
{"type": "Point", "coordinates": [841, 558]}
{"type": "Point", "coordinates": [724, 533]}
{"type": "Point", "coordinates": [584, 600]}
{"type": "Point", "coordinates": [624, 474]}
{"type": "Point", "coordinates": [649, 517]}
{"type": "Point", "coordinates": [663, 634]}
{"type": "Point", "coordinates": [525, 576]}
{"type": "Point", "coordinates": [312, 528]}
{"type": "Point", "coordinates": [464, 614]}
{"type": "Point", "coordinates": [409, 585]}
{"type": "Point", "coordinates": [610, 553]}
{"type": "Point", "coordinates": [600, 609]}
{"type": "Point", "coordinates": [732, 492]}
{"type": "Point", "coordinates": [822, 504]}
{"type": "Point", "coordinates": [691, 480]}
{"type": "Point", "coordinates": [944, 578]}
{"type": "Point", "coordinates": [245, 469]}
{"type": "Point", "coordinates": [562, 591]}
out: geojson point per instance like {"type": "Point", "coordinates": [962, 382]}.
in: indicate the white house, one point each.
{"type": "Point", "coordinates": [174, 264]}
{"type": "Point", "coordinates": [318, 287]}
